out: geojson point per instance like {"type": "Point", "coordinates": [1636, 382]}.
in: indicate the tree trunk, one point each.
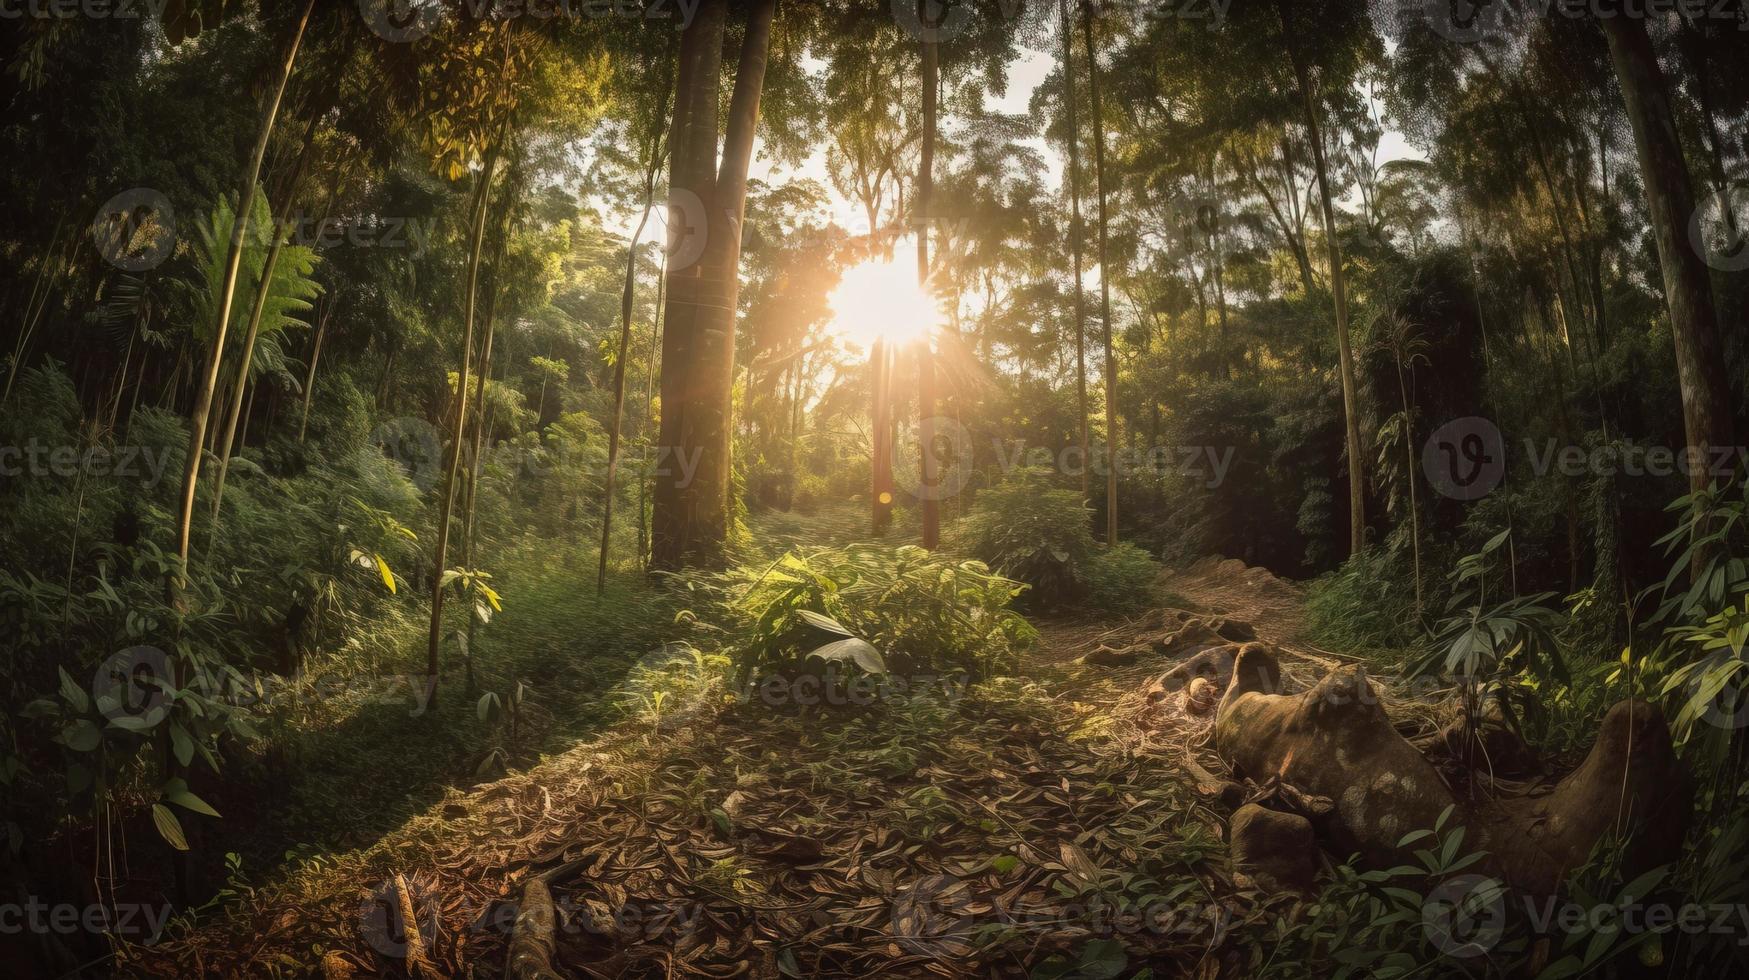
{"type": "Point", "coordinates": [1111, 427]}
{"type": "Point", "coordinates": [263, 289]}
{"type": "Point", "coordinates": [1344, 354]}
{"type": "Point", "coordinates": [477, 235]}
{"type": "Point", "coordinates": [692, 180]}
{"type": "Point", "coordinates": [927, 476]}
{"type": "Point", "coordinates": [1706, 411]}
{"type": "Point", "coordinates": [692, 518]}
{"type": "Point", "coordinates": [1075, 240]}
{"type": "Point", "coordinates": [310, 375]}
{"type": "Point", "coordinates": [628, 298]}
{"type": "Point", "coordinates": [227, 291]}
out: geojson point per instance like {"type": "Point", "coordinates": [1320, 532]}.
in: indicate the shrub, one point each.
{"type": "Point", "coordinates": [882, 608]}
{"type": "Point", "coordinates": [1034, 534]}
{"type": "Point", "coordinates": [1120, 579]}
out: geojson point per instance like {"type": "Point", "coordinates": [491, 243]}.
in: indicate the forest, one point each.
{"type": "Point", "coordinates": [1046, 489]}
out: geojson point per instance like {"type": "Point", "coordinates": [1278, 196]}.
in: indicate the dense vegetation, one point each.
{"type": "Point", "coordinates": [396, 396]}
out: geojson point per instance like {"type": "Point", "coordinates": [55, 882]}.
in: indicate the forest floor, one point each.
{"type": "Point", "coordinates": [1049, 824]}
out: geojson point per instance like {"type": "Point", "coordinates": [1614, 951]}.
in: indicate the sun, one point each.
{"type": "Point", "coordinates": [882, 300]}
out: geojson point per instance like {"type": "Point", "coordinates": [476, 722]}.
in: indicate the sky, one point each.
{"type": "Point", "coordinates": [1024, 76]}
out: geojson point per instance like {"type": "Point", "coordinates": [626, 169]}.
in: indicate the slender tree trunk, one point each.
{"type": "Point", "coordinates": [1344, 353]}
{"type": "Point", "coordinates": [628, 299]}
{"type": "Point", "coordinates": [310, 374]}
{"type": "Point", "coordinates": [1111, 424]}
{"type": "Point", "coordinates": [1706, 408]}
{"type": "Point", "coordinates": [675, 524]}
{"type": "Point", "coordinates": [477, 235]}
{"type": "Point", "coordinates": [927, 489]}
{"type": "Point", "coordinates": [227, 291]}
{"type": "Point", "coordinates": [1075, 242]}
{"type": "Point", "coordinates": [478, 443]}
{"type": "Point", "coordinates": [880, 443]}
{"type": "Point", "coordinates": [649, 406]}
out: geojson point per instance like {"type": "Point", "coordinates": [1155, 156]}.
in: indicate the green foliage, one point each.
{"type": "Point", "coordinates": [1042, 537]}
{"type": "Point", "coordinates": [1120, 580]}
{"type": "Point", "coordinates": [884, 609]}
{"type": "Point", "coordinates": [1366, 606]}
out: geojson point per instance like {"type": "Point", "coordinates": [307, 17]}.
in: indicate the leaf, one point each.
{"type": "Point", "coordinates": [824, 622]}
{"type": "Point", "coordinates": [81, 736]}
{"type": "Point", "coordinates": [176, 791]}
{"type": "Point", "coordinates": [1004, 864]}
{"type": "Point", "coordinates": [181, 743]}
{"type": "Point", "coordinates": [168, 826]}
{"type": "Point", "coordinates": [74, 694]}
{"type": "Point", "coordinates": [860, 652]}
{"type": "Point", "coordinates": [388, 576]}
{"type": "Point", "coordinates": [1078, 863]}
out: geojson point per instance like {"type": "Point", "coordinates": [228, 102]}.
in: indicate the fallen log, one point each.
{"type": "Point", "coordinates": [1336, 740]}
{"type": "Point", "coordinates": [531, 937]}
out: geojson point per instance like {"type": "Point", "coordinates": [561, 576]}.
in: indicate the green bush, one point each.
{"type": "Point", "coordinates": [1042, 537]}
{"type": "Point", "coordinates": [1120, 579]}
{"type": "Point", "coordinates": [918, 611]}
{"type": "Point", "coordinates": [1034, 534]}
{"type": "Point", "coordinates": [1366, 606]}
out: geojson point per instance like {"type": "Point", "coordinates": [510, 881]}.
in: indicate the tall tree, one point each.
{"type": "Point", "coordinates": [691, 519]}
{"type": "Point", "coordinates": [209, 380]}
{"type": "Point", "coordinates": [653, 151]}
{"type": "Point", "coordinates": [1292, 40]}
{"type": "Point", "coordinates": [930, 505]}
{"type": "Point", "coordinates": [1073, 142]}
{"type": "Point", "coordinates": [1105, 273]}
{"type": "Point", "coordinates": [1669, 189]}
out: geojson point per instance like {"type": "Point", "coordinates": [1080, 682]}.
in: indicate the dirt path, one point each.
{"type": "Point", "coordinates": [984, 831]}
